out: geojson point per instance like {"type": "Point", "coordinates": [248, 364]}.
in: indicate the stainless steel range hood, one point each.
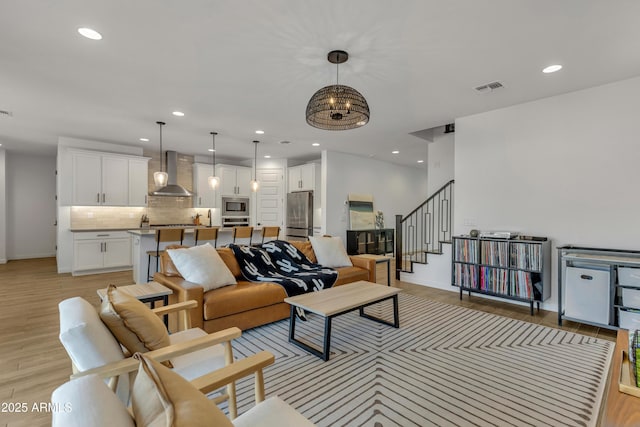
{"type": "Point", "coordinates": [172, 189]}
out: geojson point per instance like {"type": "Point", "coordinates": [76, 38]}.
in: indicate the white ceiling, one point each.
{"type": "Point", "coordinates": [237, 66]}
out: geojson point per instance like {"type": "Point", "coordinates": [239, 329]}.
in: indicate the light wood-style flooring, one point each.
{"type": "Point", "coordinates": [33, 362]}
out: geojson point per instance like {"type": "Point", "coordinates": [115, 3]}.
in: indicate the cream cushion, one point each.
{"type": "Point", "coordinates": [202, 265]}
{"type": "Point", "coordinates": [87, 401]}
{"type": "Point", "coordinates": [330, 252]}
{"type": "Point", "coordinates": [196, 363]}
{"type": "Point", "coordinates": [162, 398]}
{"type": "Point", "coordinates": [87, 340]}
{"type": "Point", "coordinates": [273, 412]}
{"type": "Point", "coordinates": [133, 324]}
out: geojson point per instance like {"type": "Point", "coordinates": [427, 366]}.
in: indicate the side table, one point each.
{"type": "Point", "coordinates": [146, 293]}
{"type": "Point", "coordinates": [379, 259]}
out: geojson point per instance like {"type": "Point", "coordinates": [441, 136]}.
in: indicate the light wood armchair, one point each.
{"type": "Point", "coordinates": [93, 349]}
{"type": "Point", "coordinates": [94, 405]}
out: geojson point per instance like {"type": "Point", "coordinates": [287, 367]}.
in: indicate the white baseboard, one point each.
{"type": "Point", "coordinates": [33, 256]}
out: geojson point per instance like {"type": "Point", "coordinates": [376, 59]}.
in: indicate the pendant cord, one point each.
{"type": "Point", "coordinates": [213, 146]}
{"type": "Point", "coordinates": [160, 124]}
{"type": "Point", "coordinates": [255, 160]}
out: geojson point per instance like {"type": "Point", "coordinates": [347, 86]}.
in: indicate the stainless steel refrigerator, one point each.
{"type": "Point", "coordinates": [299, 215]}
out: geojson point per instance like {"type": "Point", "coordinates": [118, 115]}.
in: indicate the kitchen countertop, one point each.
{"type": "Point", "coordinates": [152, 230]}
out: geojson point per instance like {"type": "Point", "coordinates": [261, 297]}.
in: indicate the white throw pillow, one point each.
{"type": "Point", "coordinates": [202, 265]}
{"type": "Point", "coordinates": [330, 252]}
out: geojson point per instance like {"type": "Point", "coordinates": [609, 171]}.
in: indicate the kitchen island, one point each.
{"type": "Point", "coordinates": [143, 240]}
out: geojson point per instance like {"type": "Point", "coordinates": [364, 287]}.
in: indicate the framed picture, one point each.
{"type": "Point", "coordinates": [361, 216]}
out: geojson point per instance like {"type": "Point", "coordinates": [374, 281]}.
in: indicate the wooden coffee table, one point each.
{"type": "Point", "coordinates": [333, 302]}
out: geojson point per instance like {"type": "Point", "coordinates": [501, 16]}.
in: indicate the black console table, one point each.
{"type": "Point", "coordinates": [378, 241]}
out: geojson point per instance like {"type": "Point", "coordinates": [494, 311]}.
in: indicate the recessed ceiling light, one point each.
{"type": "Point", "coordinates": [395, 152]}
{"type": "Point", "coordinates": [212, 150]}
{"type": "Point", "coordinates": [420, 161]}
{"type": "Point", "coordinates": [315, 144]}
{"type": "Point", "coordinates": [260, 132]}
{"type": "Point", "coordinates": [178, 113]}
{"type": "Point", "coordinates": [90, 34]}
{"type": "Point", "coordinates": [267, 156]}
{"type": "Point", "coordinates": [144, 139]}
{"type": "Point", "coordinates": [552, 69]}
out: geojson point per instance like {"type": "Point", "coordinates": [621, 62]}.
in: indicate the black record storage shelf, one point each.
{"type": "Point", "coordinates": [516, 269]}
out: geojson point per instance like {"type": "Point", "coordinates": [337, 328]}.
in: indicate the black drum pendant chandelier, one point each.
{"type": "Point", "coordinates": [337, 107]}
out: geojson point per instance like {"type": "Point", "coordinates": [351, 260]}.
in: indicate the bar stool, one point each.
{"type": "Point", "coordinates": [207, 234]}
{"type": "Point", "coordinates": [270, 233]}
{"type": "Point", "coordinates": [163, 235]}
{"type": "Point", "coordinates": [242, 233]}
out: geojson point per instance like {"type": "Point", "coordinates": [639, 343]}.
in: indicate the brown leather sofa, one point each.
{"type": "Point", "coordinates": [246, 304]}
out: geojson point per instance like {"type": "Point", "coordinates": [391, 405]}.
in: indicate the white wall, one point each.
{"type": "Point", "coordinates": [3, 207]}
{"type": "Point", "coordinates": [395, 189]}
{"type": "Point", "coordinates": [437, 273]}
{"type": "Point", "coordinates": [565, 167]}
{"type": "Point", "coordinates": [441, 161]}
{"type": "Point", "coordinates": [31, 206]}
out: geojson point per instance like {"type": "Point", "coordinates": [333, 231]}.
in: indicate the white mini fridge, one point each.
{"type": "Point", "coordinates": [587, 294]}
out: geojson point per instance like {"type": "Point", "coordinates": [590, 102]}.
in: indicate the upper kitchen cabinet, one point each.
{"type": "Point", "coordinates": [234, 180]}
{"type": "Point", "coordinates": [302, 178]}
{"type": "Point", "coordinates": [91, 178]}
{"type": "Point", "coordinates": [205, 196]}
{"type": "Point", "coordinates": [138, 182]}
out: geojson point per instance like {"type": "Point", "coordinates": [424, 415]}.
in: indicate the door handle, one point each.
{"type": "Point", "coordinates": [200, 201]}
{"type": "Point", "coordinates": [98, 197]}
{"type": "Point", "coordinates": [103, 198]}
{"type": "Point", "coordinates": [145, 199]}
{"type": "Point", "coordinates": [586, 277]}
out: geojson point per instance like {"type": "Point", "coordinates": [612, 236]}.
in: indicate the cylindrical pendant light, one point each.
{"type": "Point", "coordinates": [214, 181]}
{"type": "Point", "coordinates": [254, 182]}
{"type": "Point", "coordinates": [160, 178]}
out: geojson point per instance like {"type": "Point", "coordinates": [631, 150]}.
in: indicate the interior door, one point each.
{"type": "Point", "coordinates": [270, 198]}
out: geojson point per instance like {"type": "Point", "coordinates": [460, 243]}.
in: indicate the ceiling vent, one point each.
{"type": "Point", "coordinates": [489, 87]}
{"type": "Point", "coordinates": [6, 113]}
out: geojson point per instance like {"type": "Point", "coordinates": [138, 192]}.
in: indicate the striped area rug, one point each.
{"type": "Point", "coordinates": [445, 366]}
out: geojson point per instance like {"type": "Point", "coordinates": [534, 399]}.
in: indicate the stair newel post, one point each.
{"type": "Point", "coordinates": [399, 265]}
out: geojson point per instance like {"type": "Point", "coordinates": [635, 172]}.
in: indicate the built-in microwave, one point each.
{"type": "Point", "coordinates": [235, 206]}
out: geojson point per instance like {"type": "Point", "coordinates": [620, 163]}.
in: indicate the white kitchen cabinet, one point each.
{"type": "Point", "coordinates": [96, 251]}
{"type": "Point", "coordinates": [234, 180]}
{"type": "Point", "coordinates": [302, 178]}
{"type": "Point", "coordinates": [102, 179]}
{"type": "Point", "coordinates": [86, 179]}
{"type": "Point", "coordinates": [205, 196]}
{"type": "Point", "coordinates": [138, 182]}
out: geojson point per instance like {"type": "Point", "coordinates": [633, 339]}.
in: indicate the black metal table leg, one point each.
{"type": "Point", "coordinates": [396, 320]}
{"type": "Point", "coordinates": [327, 338]}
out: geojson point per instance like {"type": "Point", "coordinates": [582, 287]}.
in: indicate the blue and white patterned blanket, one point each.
{"type": "Point", "coordinates": [280, 262]}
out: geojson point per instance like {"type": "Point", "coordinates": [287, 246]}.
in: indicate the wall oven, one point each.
{"type": "Point", "coordinates": [235, 221]}
{"type": "Point", "coordinates": [235, 206]}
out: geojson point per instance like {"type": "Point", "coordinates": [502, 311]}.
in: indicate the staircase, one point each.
{"type": "Point", "coordinates": [424, 230]}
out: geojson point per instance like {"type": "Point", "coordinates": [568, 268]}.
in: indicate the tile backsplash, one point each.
{"type": "Point", "coordinates": [185, 179]}
{"type": "Point", "coordinates": [125, 217]}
